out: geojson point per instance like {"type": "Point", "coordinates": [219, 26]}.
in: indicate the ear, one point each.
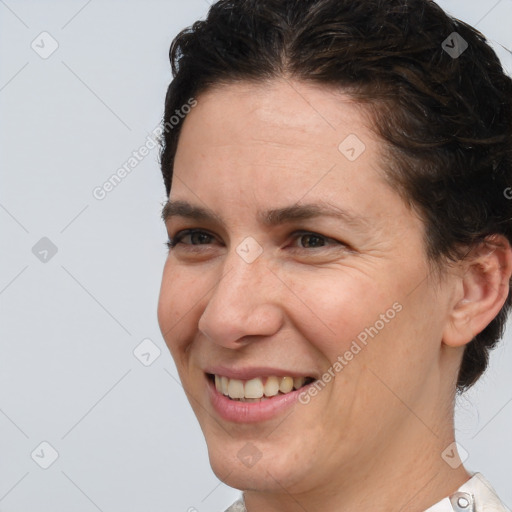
{"type": "Point", "coordinates": [484, 286]}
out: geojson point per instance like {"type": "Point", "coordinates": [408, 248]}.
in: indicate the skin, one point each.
{"type": "Point", "coordinates": [376, 433]}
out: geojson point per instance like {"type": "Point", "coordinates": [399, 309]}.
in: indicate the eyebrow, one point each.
{"type": "Point", "coordinates": [273, 217]}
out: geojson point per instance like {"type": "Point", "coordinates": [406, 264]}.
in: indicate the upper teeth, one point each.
{"type": "Point", "coordinates": [258, 387]}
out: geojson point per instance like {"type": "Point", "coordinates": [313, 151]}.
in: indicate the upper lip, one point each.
{"type": "Point", "coordinates": [248, 373]}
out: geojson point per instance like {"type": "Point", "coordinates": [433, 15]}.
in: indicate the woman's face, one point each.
{"type": "Point", "coordinates": [304, 263]}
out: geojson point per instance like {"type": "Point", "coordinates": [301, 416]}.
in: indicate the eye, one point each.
{"type": "Point", "coordinates": [301, 240]}
{"type": "Point", "coordinates": [310, 240]}
{"type": "Point", "coordinates": [196, 237]}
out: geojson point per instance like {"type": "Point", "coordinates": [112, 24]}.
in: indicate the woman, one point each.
{"type": "Point", "coordinates": [339, 247]}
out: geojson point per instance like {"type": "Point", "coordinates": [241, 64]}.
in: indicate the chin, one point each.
{"type": "Point", "coordinates": [256, 465]}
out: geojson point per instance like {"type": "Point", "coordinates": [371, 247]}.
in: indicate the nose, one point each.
{"type": "Point", "coordinates": [244, 303]}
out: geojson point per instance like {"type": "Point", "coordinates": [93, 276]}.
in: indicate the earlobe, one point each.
{"type": "Point", "coordinates": [484, 285]}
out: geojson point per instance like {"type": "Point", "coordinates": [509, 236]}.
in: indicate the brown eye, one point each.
{"type": "Point", "coordinates": [199, 238]}
{"type": "Point", "coordinates": [196, 237]}
{"type": "Point", "coordinates": [311, 240]}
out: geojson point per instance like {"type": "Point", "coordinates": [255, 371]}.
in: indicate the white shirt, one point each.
{"type": "Point", "coordinates": [476, 495]}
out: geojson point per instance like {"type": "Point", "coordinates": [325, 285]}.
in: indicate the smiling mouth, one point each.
{"type": "Point", "coordinates": [258, 389]}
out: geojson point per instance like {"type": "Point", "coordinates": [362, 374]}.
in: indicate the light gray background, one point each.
{"type": "Point", "coordinates": [125, 435]}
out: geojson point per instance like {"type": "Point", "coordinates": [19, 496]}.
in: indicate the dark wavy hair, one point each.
{"type": "Point", "coordinates": [445, 119]}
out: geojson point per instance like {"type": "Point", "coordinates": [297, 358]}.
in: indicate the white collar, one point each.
{"type": "Point", "coordinates": [476, 495]}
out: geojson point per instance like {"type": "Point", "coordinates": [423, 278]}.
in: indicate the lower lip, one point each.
{"type": "Point", "coordinates": [251, 412]}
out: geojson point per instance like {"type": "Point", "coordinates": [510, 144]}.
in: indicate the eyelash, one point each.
{"type": "Point", "coordinates": [173, 242]}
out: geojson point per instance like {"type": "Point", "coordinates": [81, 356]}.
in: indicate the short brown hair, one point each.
{"type": "Point", "coordinates": [445, 117]}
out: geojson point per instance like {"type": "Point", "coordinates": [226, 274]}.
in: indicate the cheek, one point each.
{"type": "Point", "coordinates": [333, 309]}
{"type": "Point", "coordinates": [179, 293]}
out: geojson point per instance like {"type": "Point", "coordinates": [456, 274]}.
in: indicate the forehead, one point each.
{"type": "Point", "coordinates": [280, 112]}
{"type": "Point", "coordinates": [251, 146]}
